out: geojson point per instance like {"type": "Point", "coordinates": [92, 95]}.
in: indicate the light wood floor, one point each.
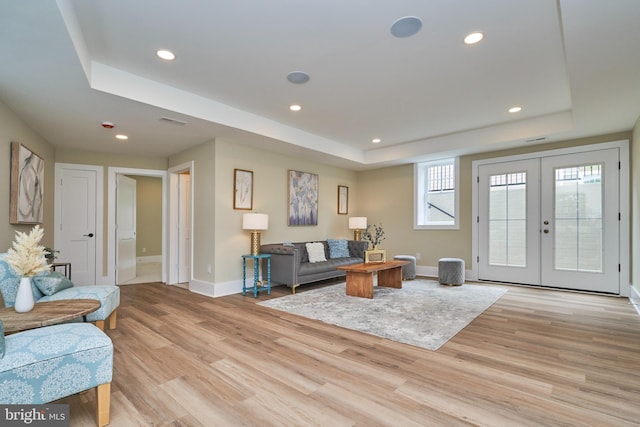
{"type": "Point", "coordinates": [535, 358]}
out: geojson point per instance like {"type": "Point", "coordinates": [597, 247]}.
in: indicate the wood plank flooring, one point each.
{"type": "Point", "coordinates": [535, 358]}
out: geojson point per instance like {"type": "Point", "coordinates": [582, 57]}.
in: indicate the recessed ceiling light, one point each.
{"type": "Point", "coordinates": [166, 54]}
{"type": "Point", "coordinates": [516, 109]}
{"type": "Point", "coordinates": [473, 38]}
{"type": "Point", "coordinates": [295, 107]}
{"type": "Point", "coordinates": [122, 137]}
{"type": "Point", "coordinates": [298, 77]}
{"type": "Point", "coordinates": [406, 27]}
{"type": "Point", "coordinates": [376, 140]}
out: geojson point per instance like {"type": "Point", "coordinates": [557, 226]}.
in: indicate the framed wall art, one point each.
{"type": "Point", "coordinates": [242, 189]}
{"type": "Point", "coordinates": [343, 200]}
{"type": "Point", "coordinates": [303, 198]}
{"type": "Point", "coordinates": [27, 186]}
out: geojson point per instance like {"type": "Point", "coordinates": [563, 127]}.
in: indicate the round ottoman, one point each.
{"type": "Point", "coordinates": [409, 270]}
{"type": "Point", "coordinates": [451, 271]}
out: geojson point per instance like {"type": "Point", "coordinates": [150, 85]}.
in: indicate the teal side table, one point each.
{"type": "Point", "coordinates": [258, 285]}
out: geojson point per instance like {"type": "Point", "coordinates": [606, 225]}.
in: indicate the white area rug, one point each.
{"type": "Point", "coordinates": [423, 313]}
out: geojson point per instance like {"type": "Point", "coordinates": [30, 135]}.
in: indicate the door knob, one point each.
{"type": "Point", "coordinates": [545, 231]}
{"type": "Point", "coordinates": [88, 235]}
{"type": "Point", "coordinates": [546, 223]}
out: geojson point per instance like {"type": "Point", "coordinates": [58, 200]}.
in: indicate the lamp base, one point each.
{"type": "Point", "coordinates": [255, 242]}
{"type": "Point", "coordinates": [357, 234]}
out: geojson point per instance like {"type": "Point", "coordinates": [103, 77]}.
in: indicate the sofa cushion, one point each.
{"type": "Point", "coordinates": [108, 295]}
{"type": "Point", "coordinates": [338, 248]}
{"type": "Point", "coordinates": [45, 364]}
{"type": "Point", "coordinates": [52, 282]}
{"type": "Point", "coordinates": [316, 252]}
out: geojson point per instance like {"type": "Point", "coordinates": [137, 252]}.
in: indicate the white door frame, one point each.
{"type": "Point", "coordinates": [174, 205]}
{"type": "Point", "coordinates": [111, 217]}
{"type": "Point", "coordinates": [101, 279]}
{"type": "Point", "coordinates": [625, 208]}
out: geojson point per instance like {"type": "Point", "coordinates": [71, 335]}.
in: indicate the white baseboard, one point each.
{"type": "Point", "coordinates": [216, 290]}
{"type": "Point", "coordinates": [152, 258]}
{"type": "Point", "coordinates": [635, 298]}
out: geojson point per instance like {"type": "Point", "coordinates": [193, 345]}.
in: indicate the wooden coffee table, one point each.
{"type": "Point", "coordinates": [360, 277]}
{"type": "Point", "coordinates": [46, 313]}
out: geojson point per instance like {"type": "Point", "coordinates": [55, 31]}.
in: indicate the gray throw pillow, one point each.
{"type": "Point", "coordinates": [51, 283]}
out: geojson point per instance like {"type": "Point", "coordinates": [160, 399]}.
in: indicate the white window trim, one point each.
{"type": "Point", "coordinates": [418, 196]}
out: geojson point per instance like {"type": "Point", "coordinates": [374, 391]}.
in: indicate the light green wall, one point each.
{"type": "Point", "coordinates": [12, 128]}
{"type": "Point", "coordinates": [270, 196]}
{"type": "Point", "coordinates": [148, 216]}
{"type": "Point", "coordinates": [386, 195]}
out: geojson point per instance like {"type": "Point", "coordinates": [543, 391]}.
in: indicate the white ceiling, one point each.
{"type": "Point", "coordinates": [573, 65]}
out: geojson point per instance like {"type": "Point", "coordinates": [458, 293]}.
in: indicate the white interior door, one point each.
{"type": "Point", "coordinates": [551, 221]}
{"type": "Point", "coordinates": [76, 216]}
{"type": "Point", "coordinates": [184, 228]}
{"type": "Point", "coordinates": [125, 229]}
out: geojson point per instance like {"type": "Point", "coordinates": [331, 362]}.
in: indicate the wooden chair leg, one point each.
{"type": "Point", "coordinates": [103, 399]}
{"type": "Point", "coordinates": [112, 319]}
{"type": "Point", "coordinates": [100, 324]}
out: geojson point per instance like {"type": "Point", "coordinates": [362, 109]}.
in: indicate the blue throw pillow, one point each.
{"type": "Point", "coordinates": [338, 248]}
{"type": "Point", "coordinates": [51, 283]}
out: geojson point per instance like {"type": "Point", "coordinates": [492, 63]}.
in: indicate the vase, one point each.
{"type": "Point", "coordinates": [24, 298]}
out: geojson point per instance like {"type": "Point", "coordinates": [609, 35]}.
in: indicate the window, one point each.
{"type": "Point", "coordinates": [436, 198]}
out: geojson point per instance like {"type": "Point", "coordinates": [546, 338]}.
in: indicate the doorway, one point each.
{"type": "Point", "coordinates": [113, 174]}
{"type": "Point", "coordinates": [552, 220]}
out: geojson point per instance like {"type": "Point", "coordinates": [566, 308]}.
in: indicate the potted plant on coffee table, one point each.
{"type": "Point", "coordinates": [374, 234]}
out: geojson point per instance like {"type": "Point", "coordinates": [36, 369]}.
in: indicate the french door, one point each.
{"type": "Point", "coordinates": [551, 221]}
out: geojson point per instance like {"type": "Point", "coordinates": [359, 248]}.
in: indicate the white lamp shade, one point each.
{"type": "Point", "coordinates": [255, 221]}
{"type": "Point", "coordinates": [357, 222]}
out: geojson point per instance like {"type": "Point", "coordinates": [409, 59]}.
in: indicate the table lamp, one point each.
{"type": "Point", "coordinates": [357, 224]}
{"type": "Point", "coordinates": [255, 222]}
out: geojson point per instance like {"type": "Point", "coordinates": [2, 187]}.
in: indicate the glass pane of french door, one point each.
{"type": "Point", "coordinates": [579, 210]}
{"type": "Point", "coordinates": [508, 222]}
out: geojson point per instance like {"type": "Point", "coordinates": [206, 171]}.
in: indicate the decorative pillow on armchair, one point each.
{"type": "Point", "coordinates": [51, 283]}
{"type": "Point", "coordinates": [338, 248]}
{"type": "Point", "coordinates": [316, 252]}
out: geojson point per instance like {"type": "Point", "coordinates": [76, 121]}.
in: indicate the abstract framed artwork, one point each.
{"type": "Point", "coordinates": [27, 186]}
{"type": "Point", "coordinates": [343, 200]}
{"type": "Point", "coordinates": [243, 189]}
{"type": "Point", "coordinates": [303, 198]}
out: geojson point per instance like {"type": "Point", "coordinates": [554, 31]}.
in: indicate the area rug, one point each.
{"type": "Point", "coordinates": [423, 313]}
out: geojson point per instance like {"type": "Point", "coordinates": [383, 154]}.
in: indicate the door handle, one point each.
{"type": "Point", "coordinates": [88, 235]}
{"type": "Point", "coordinates": [545, 231]}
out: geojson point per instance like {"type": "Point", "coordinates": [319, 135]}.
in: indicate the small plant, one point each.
{"type": "Point", "coordinates": [27, 256]}
{"type": "Point", "coordinates": [374, 234]}
{"type": "Point", "coordinates": [50, 254]}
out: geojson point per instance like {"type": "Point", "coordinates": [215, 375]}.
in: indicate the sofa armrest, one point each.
{"type": "Point", "coordinates": [285, 263]}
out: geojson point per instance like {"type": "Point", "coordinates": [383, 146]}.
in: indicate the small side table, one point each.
{"type": "Point", "coordinates": [66, 265]}
{"type": "Point", "coordinates": [258, 285]}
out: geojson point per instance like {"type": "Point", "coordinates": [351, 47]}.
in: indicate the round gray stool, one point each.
{"type": "Point", "coordinates": [451, 271]}
{"type": "Point", "coordinates": [409, 270]}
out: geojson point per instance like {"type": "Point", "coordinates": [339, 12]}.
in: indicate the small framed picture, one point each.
{"type": "Point", "coordinates": [343, 200]}
{"type": "Point", "coordinates": [243, 189]}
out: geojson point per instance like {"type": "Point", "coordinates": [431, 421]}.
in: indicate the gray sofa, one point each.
{"type": "Point", "coordinates": [290, 263]}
